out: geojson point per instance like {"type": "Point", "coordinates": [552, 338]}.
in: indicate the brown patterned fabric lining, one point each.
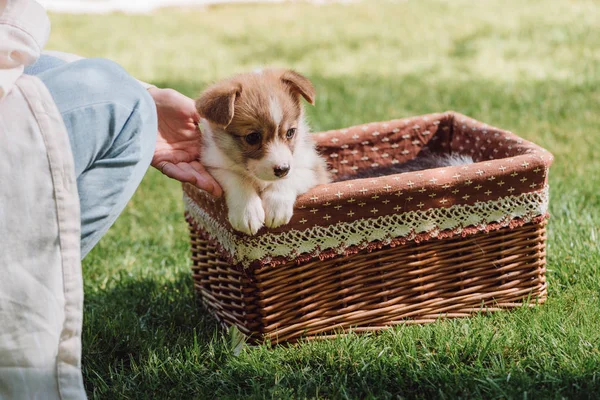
{"type": "Point", "coordinates": [505, 165]}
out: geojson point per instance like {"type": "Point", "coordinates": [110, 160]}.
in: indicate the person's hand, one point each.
{"type": "Point", "coordinates": [178, 143]}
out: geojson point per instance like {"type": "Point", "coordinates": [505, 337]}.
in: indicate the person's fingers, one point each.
{"type": "Point", "coordinates": [203, 180]}
{"type": "Point", "coordinates": [197, 165]}
{"type": "Point", "coordinates": [174, 171]}
{"type": "Point", "coordinates": [205, 175]}
{"type": "Point", "coordinates": [175, 156]}
{"type": "Point", "coordinates": [195, 116]}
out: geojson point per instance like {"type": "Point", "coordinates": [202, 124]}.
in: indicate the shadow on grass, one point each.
{"type": "Point", "coordinates": [147, 338]}
{"type": "Point", "coordinates": [132, 331]}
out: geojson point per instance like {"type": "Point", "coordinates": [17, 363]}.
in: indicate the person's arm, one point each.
{"type": "Point", "coordinates": [24, 30]}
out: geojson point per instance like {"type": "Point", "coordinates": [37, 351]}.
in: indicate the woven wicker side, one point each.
{"type": "Point", "coordinates": [226, 292]}
{"type": "Point", "coordinates": [413, 283]}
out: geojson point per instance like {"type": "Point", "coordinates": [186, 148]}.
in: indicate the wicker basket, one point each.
{"type": "Point", "coordinates": [365, 254]}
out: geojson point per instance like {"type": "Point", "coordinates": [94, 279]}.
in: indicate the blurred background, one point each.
{"type": "Point", "coordinates": [529, 66]}
{"type": "Point", "coordinates": [141, 6]}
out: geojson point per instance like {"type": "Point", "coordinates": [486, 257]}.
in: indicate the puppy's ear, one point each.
{"type": "Point", "coordinates": [216, 103]}
{"type": "Point", "coordinates": [299, 84]}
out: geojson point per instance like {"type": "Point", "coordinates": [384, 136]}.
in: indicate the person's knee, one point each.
{"type": "Point", "coordinates": [108, 114]}
{"type": "Point", "coordinates": [118, 87]}
{"type": "Point", "coordinates": [106, 76]}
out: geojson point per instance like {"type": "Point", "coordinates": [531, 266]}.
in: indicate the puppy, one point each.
{"type": "Point", "coordinates": [258, 147]}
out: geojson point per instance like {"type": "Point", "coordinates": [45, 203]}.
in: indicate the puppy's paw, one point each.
{"type": "Point", "coordinates": [279, 208]}
{"type": "Point", "coordinates": [246, 216]}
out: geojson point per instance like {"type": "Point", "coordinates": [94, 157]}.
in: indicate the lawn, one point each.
{"type": "Point", "coordinates": [532, 67]}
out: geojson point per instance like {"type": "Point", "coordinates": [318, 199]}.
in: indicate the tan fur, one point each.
{"type": "Point", "coordinates": [217, 103]}
{"type": "Point", "coordinates": [299, 84]}
{"type": "Point", "coordinates": [321, 171]}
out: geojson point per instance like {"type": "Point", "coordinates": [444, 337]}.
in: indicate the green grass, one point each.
{"type": "Point", "coordinates": [532, 67]}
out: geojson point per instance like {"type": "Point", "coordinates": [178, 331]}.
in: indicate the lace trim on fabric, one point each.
{"type": "Point", "coordinates": [360, 234]}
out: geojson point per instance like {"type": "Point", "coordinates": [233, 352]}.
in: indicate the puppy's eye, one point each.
{"type": "Point", "coordinates": [253, 138]}
{"type": "Point", "coordinates": [290, 133]}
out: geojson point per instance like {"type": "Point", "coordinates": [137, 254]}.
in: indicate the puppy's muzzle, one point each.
{"type": "Point", "coordinates": [281, 170]}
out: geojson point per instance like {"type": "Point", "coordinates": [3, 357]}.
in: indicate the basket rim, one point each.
{"type": "Point", "coordinates": [503, 189]}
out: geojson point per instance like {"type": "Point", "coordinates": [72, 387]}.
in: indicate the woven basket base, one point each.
{"type": "Point", "coordinates": [411, 284]}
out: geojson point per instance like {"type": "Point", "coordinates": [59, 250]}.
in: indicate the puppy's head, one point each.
{"type": "Point", "coordinates": [257, 119]}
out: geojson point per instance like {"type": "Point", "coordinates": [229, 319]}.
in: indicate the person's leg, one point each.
{"type": "Point", "coordinates": [43, 63]}
{"type": "Point", "coordinates": [111, 122]}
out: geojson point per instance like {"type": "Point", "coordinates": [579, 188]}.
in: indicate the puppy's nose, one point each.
{"type": "Point", "coordinates": [281, 170]}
